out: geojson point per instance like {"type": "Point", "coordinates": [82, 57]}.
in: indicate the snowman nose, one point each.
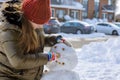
{"type": "Point", "coordinates": [58, 55]}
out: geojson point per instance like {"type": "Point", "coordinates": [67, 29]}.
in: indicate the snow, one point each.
{"type": "Point", "coordinates": [68, 59]}
{"type": "Point", "coordinates": [94, 20]}
{"type": "Point", "coordinates": [67, 6]}
{"type": "Point", "coordinates": [79, 36]}
{"type": "Point", "coordinates": [62, 66]}
{"type": "Point", "coordinates": [117, 7]}
{"type": "Point", "coordinates": [67, 17]}
{"type": "Point", "coordinates": [74, 5]}
{"type": "Point", "coordinates": [99, 60]}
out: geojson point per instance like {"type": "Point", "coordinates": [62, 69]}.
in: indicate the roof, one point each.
{"type": "Point", "coordinates": [69, 4]}
{"type": "Point", "coordinates": [108, 8]}
{"type": "Point", "coordinates": [68, 7]}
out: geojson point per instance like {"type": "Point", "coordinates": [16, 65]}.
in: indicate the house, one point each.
{"type": "Point", "coordinates": [103, 9]}
{"type": "Point", "coordinates": [67, 9]}
{"type": "Point", "coordinates": [117, 11]}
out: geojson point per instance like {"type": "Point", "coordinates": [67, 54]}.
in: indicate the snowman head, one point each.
{"type": "Point", "coordinates": [68, 58]}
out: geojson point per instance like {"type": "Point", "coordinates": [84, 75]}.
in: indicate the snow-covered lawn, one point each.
{"type": "Point", "coordinates": [99, 60]}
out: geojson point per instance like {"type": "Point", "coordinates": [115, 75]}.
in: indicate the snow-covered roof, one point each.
{"type": "Point", "coordinates": [75, 5]}
{"type": "Point", "coordinates": [111, 11]}
{"type": "Point", "coordinates": [108, 8]}
{"type": "Point", "coordinates": [67, 6]}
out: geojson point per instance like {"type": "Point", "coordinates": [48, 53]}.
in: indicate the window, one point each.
{"type": "Point", "coordinates": [103, 25]}
{"type": "Point", "coordinates": [84, 14]}
{"type": "Point", "coordinates": [78, 24]}
{"type": "Point", "coordinates": [96, 7]}
{"type": "Point", "coordinates": [53, 12]}
{"type": "Point", "coordinates": [60, 13]}
{"type": "Point", "coordinates": [104, 15]}
{"type": "Point", "coordinates": [74, 14]}
{"type": "Point", "coordinates": [66, 25]}
{"type": "Point", "coordinates": [110, 16]}
{"type": "Point", "coordinates": [58, 0]}
{"type": "Point", "coordinates": [100, 24]}
{"type": "Point", "coordinates": [109, 2]}
{"type": "Point", "coordinates": [85, 5]}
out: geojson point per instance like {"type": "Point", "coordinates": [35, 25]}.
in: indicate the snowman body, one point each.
{"type": "Point", "coordinates": [61, 68]}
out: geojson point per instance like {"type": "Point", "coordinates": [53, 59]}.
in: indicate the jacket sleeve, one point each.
{"type": "Point", "coordinates": [16, 59]}
{"type": "Point", "coordinates": [51, 40]}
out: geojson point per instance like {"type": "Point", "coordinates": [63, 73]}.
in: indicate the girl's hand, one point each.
{"type": "Point", "coordinates": [53, 56]}
{"type": "Point", "coordinates": [65, 42]}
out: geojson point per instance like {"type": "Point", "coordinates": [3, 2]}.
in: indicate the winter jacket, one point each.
{"type": "Point", "coordinates": [13, 64]}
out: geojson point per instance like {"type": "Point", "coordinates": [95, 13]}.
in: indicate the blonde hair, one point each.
{"type": "Point", "coordinates": [29, 40]}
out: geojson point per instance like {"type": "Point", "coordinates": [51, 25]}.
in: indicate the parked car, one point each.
{"type": "Point", "coordinates": [53, 26]}
{"type": "Point", "coordinates": [107, 28]}
{"type": "Point", "coordinates": [76, 27]}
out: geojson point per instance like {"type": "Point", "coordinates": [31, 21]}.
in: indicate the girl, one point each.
{"type": "Point", "coordinates": [22, 40]}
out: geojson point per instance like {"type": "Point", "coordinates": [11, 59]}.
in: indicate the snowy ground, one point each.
{"type": "Point", "coordinates": [99, 60]}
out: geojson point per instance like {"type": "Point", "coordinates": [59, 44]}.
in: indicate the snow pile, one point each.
{"type": "Point", "coordinates": [99, 60]}
{"type": "Point", "coordinates": [108, 51]}
{"type": "Point", "coordinates": [78, 5]}
{"type": "Point", "coordinates": [67, 17]}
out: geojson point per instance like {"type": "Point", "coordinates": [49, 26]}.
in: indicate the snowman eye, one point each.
{"type": "Point", "coordinates": [55, 47]}
{"type": "Point", "coordinates": [63, 49]}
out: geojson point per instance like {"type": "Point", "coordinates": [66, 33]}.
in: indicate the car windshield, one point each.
{"type": "Point", "coordinates": [117, 24]}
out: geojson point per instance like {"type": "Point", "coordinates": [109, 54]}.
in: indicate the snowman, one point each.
{"type": "Point", "coordinates": [61, 68]}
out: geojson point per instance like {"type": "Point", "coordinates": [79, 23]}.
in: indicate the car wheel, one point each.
{"type": "Point", "coordinates": [114, 32]}
{"type": "Point", "coordinates": [78, 32]}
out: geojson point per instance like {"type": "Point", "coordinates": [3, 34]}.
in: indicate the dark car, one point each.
{"type": "Point", "coordinates": [76, 27]}
{"type": "Point", "coordinates": [53, 26]}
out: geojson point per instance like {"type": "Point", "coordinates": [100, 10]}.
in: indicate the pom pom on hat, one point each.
{"type": "Point", "coordinates": [37, 11]}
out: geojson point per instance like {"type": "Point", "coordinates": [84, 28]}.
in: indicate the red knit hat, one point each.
{"type": "Point", "coordinates": [37, 11]}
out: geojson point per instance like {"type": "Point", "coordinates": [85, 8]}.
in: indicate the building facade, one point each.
{"type": "Point", "coordinates": [67, 9]}
{"type": "Point", "coordinates": [103, 9]}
